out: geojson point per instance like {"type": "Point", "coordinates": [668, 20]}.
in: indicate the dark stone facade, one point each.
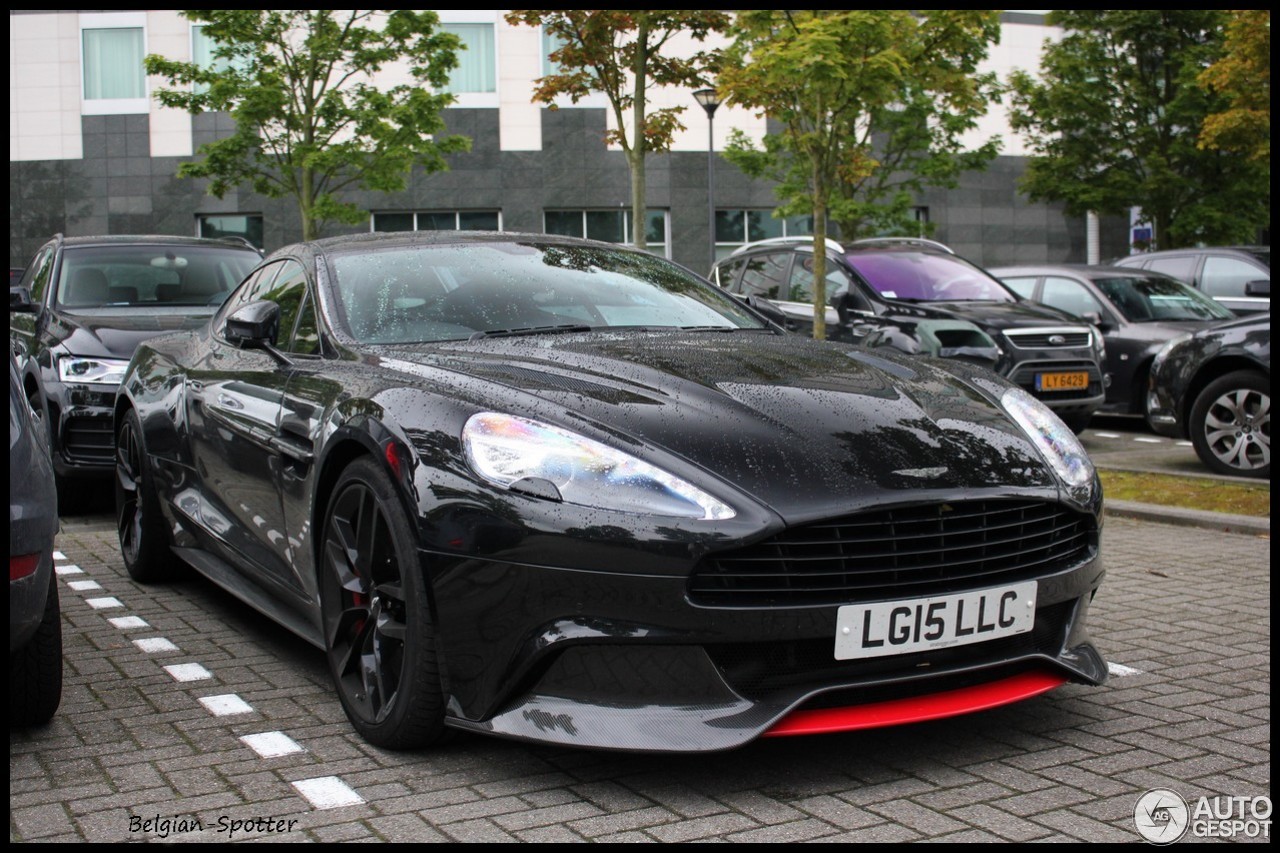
{"type": "Point", "coordinates": [118, 188]}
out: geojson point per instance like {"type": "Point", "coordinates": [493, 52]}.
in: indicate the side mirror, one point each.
{"type": "Point", "coordinates": [256, 325]}
{"type": "Point", "coordinates": [1262, 288]}
{"type": "Point", "coordinates": [770, 311]}
{"type": "Point", "coordinates": [20, 300]}
{"type": "Point", "coordinates": [1093, 318]}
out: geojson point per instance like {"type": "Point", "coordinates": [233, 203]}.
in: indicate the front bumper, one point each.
{"type": "Point", "coordinates": [626, 661]}
{"type": "Point", "coordinates": [1081, 401]}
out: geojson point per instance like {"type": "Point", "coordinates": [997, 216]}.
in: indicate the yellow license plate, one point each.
{"type": "Point", "coordinates": [1062, 381]}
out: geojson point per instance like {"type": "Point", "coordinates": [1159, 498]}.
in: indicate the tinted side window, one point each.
{"type": "Point", "coordinates": [800, 284]}
{"type": "Point", "coordinates": [36, 278]}
{"type": "Point", "coordinates": [1228, 276]}
{"type": "Point", "coordinates": [1182, 267]}
{"type": "Point", "coordinates": [252, 288]}
{"type": "Point", "coordinates": [1070, 296]}
{"type": "Point", "coordinates": [1024, 287]}
{"type": "Point", "coordinates": [306, 337]}
{"type": "Point", "coordinates": [287, 291]}
{"type": "Point", "coordinates": [764, 276]}
{"type": "Point", "coordinates": [727, 273]}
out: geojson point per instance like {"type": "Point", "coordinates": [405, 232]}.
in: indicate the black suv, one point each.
{"type": "Point", "coordinates": [82, 307]}
{"type": "Point", "coordinates": [1237, 276]}
{"type": "Point", "coordinates": [919, 297]}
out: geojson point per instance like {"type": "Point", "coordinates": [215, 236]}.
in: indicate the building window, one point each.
{"type": "Point", "coordinates": [245, 225]}
{"type": "Point", "coordinates": [477, 61]}
{"type": "Point", "coordinates": [113, 64]}
{"type": "Point", "coordinates": [609, 226]}
{"type": "Point", "coordinates": [737, 227]}
{"type": "Point", "coordinates": [202, 47]}
{"type": "Point", "coordinates": [438, 220]}
{"type": "Point", "coordinates": [550, 44]}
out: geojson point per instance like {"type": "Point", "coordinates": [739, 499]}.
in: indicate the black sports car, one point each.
{"type": "Point", "coordinates": [1214, 387]}
{"type": "Point", "coordinates": [570, 492]}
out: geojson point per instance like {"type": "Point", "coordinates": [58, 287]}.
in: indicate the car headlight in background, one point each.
{"type": "Point", "coordinates": [1054, 439]}
{"type": "Point", "coordinates": [505, 449]}
{"type": "Point", "coordinates": [92, 371]}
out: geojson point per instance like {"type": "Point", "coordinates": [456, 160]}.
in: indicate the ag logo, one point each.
{"type": "Point", "coordinates": [1161, 816]}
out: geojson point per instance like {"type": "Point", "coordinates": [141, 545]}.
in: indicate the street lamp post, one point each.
{"type": "Point", "coordinates": [709, 99]}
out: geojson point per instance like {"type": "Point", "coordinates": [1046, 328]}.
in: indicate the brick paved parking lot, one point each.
{"type": "Point", "coordinates": [255, 745]}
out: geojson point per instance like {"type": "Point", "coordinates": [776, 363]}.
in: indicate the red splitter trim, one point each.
{"type": "Point", "coordinates": [934, 706]}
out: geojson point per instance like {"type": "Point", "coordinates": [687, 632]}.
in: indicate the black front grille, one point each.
{"type": "Point", "coordinates": [1049, 340]}
{"type": "Point", "coordinates": [88, 440]}
{"type": "Point", "coordinates": [897, 553]}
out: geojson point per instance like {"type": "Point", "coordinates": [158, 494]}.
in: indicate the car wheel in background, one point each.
{"type": "Point", "coordinates": [378, 631]}
{"type": "Point", "coordinates": [1230, 425]}
{"type": "Point", "coordinates": [144, 542]}
{"type": "Point", "coordinates": [35, 670]}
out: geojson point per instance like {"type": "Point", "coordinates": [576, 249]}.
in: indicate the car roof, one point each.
{"type": "Point", "coordinates": [1087, 271]}
{"type": "Point", "coordinates": [157, 239]}
{"type": "Point", "coordinates": [387, 239]}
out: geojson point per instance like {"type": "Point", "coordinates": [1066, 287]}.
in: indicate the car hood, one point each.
{"type": "Point", "coordinates": [116, 332]}
{"type": "Point", "coordinates": [809, 428]}
{"type": "Point", "coordinates": [999, 316]}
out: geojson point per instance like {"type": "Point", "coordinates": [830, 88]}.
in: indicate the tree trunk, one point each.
{"type": "Point", "coordinates": [639, 144]}
{"type": "Point", "coordinates": [819, 256]}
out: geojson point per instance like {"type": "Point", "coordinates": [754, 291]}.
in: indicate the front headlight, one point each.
{"type": "Point", "coordinates": [505, 449]}
{"type": "Point", "coordinates": [92, 371]}
{"type": "Point", "coordinates": [1054, 439]}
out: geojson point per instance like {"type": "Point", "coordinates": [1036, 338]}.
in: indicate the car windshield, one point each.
{"type": "Point", "coordinates": [157, 276]}
{"type": "Point", "coordinates": [420, 294]}
{"type": "Point", "coordinates": [927, 277]}
{"type": "Point", "coordinates": [1148, 299]}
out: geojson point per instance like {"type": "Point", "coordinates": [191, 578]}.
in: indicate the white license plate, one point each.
{"type": "Point", "coordinates": [937, 622]}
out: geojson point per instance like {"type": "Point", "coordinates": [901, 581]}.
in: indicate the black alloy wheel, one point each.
{"type": "Point", "coordinates": [144, 543]}
{"type": "Point", "coordinates": [378, 630]}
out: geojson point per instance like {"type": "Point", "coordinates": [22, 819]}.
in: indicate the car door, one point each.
{"type": "Point", "coordinates": [1225, 278]}
{"type": "Point", "coordinates": [24, 325]}
{"type": "Point", "coordinates": [234, 399]}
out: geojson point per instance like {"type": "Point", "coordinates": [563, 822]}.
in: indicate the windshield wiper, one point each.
{"type": "Point", "coordinates": [530, 330]}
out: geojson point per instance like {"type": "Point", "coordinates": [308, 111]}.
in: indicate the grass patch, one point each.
{"type": "Point", "coordinates": [1187, 492]}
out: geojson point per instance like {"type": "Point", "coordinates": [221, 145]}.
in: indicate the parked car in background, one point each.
{"type": "Point", "coordinates": [1214, 387]}
{"type": "Point", "coordinates": [918, 297]}
{"type": "Point", "coordinates": [569, 492]}
{"type": "Point", "coordinates": [82, 307]}
{"type": "Point", "coordinates": [1137, 313]}
{"type": "Point", "coordinates": [35, 621]}
{"type": "Point", "coordinates": [1237, 276]}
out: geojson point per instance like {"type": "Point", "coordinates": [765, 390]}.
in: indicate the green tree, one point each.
{"type": "Point", "coordinates": [872, 105]}
{"type": "Point", "coordinates": [1243, 75]}
{"type": "Point", "coordinates": [621, 53]}
{"type": "Point", "coordinates": [1114, 121]}
{"type": "Point", "coordinates": [309, 120]}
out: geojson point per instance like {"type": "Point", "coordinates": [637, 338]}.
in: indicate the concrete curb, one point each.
{"type": "Point", "coordinates": [1221, 521]}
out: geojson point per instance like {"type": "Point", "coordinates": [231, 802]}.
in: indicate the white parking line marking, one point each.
{"type": "Point", "coordinates": [58, 555]}
{"type": "Point", "coordinates": [225, 705]}
{"type": "Point", "coordinates": [271, 744]}
{"type": "Point", "coordinates": [188, 672]}
{"type": "Point", "coordinates": [103, 603]}
{"type": "Point", "coordinates": [68, 570]}
{"type": "Point", "coordinates": [83, 586]}
{"type": "Point", "coordinates": [126, 622]}
{"type": "Point", "coordinates": [151, 645]}
{"type": "Point", "coordinates": [1120, 670]}
{"type": "Point", "coordinates": [327, 792]}
{"type": "Point", "coordinates": [1184, 444]}
{"type": "Point", "coordinates": [1107, 434]}
{"type": "Point", "coordinates": [1150, 440]}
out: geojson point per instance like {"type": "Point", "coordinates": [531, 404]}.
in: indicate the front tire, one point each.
{"type": "Point", "coordinates": [379, 634]}
{"type": "Point", "coordinates": [35, 670]}
{"type": "Point", "coordinates": [1230, 425]}
{"type": "Point", "coordinates": [144, 542]}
